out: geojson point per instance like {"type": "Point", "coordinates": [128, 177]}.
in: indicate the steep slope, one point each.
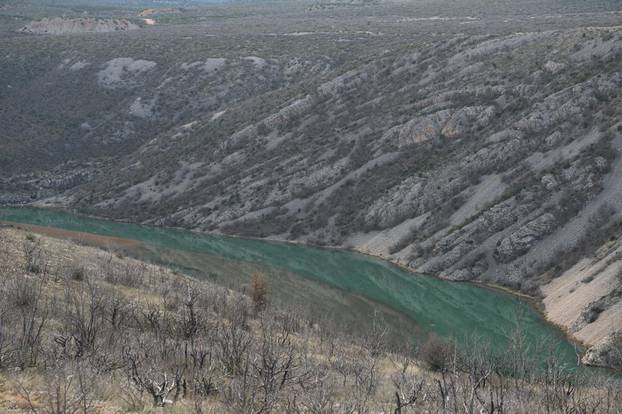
{"type": "Point", "coordinates": [89, 330]}
{"type": "Point", "coordinates": [108, 330]}
{"type": "Point", "coordinates": [71, 104]}
{"type": "Point", "coordinates": [472, 146]}
{"type": "Point", "coordinates": [474, 157]}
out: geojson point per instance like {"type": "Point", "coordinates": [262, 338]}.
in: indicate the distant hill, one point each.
{"type": "Point", "coordinates": [131, 3]}
{"type": "Point", "coordinates": [152, 12]}
{"type": "Point", "coordinates": [59, 25]}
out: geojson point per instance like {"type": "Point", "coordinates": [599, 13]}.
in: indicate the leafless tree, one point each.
{"type": "Point", "coordinates": [31, 313]}
{"type": "Point", "coordinates": [408, 388]}
{"type": "Point", "coordinates": [150, 372]}
{"type": "Point", "coordinates": [85, 317]}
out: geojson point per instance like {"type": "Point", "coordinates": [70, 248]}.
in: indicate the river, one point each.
{"type": "Point", "coordinates": [332, 284]}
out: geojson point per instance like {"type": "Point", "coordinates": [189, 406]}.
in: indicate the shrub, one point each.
{"type": "Point", "coordinates": [437, 353]}
{"type": "Point", "coordinates": [35, 258]}
{"type": "Point", "coordinates": [259, 292]}
{"type": "Point", "coordinates": [77, 273]}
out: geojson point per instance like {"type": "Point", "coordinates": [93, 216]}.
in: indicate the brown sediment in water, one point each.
{"type": "Point", "coordinates": [82, 237]}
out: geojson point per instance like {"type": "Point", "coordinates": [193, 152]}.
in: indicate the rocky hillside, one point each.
{"type": "Point", "coordinates": [491, 158]}
{"type": "Point", "coordinates": [468, 147]}
{"type": "Point", "coordinates": [77, 101]}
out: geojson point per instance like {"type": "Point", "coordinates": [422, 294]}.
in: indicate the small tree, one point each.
{"type": "Point", "coordinates": [259, 292]}
{"type": "Point", "coordinates": [437, 353]}
{"type": "Point", "coordinates": [36, 261]}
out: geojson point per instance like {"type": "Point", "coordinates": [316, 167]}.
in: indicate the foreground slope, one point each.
{"type": "Point", "coordinates": [88, 330]}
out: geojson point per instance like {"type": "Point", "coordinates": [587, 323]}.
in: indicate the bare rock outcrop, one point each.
{"type": "Point", "coordinates": [418, 130]}
{"type": "Point", "coordinates": [607, 353]}
{"type": "Point", "coordinates": [123, 72]}
{"type": "Point", "coordinates": [468, 119]}
{"type": "Point", "coordinates": [521, 240]}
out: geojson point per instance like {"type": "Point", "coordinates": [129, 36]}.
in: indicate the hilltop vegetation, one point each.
{"type": "Point", "coordinates": [77, 25]}
{"type": "Point", "coordinates": [85, 330]}
{"type": "Point", "coordinates": [468, 140]}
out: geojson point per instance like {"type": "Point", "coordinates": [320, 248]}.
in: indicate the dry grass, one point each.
{"type": "Point", "coordinates": [123, 324]}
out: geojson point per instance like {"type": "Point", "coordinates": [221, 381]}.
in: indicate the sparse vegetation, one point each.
{"type": "Point", "coordinates": [170, 341]}
{"type": "Point", "coordinates": [492, 125]}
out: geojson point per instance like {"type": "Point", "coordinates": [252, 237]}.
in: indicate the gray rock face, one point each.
{"type": "Point", "coordinates": [552, 140]}
{"type": "Point", "coordinates": [549, 182]}
{"type": "Point", "coordinates": [121, 71]}
{"type": "Point", "coordinates": [446, 123]}
{"type": "Point", "coordinates": [607, 353]}
{"type": "Point", "coordinates": [419, 130]}
{"type": "Point", "coordinates": [521, 240]}
{"type": "Point", "coordinates": [601, 164]}
{"type": "Point", "coordinates": [554, 67]}
{"type": "Point", "coordinates": [502, 215]}
{"type": "Point", "coordinates": [468, 119]}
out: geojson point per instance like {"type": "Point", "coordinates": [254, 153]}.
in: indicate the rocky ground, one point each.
{"type": "Point", "coordinates": [472, 146]}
